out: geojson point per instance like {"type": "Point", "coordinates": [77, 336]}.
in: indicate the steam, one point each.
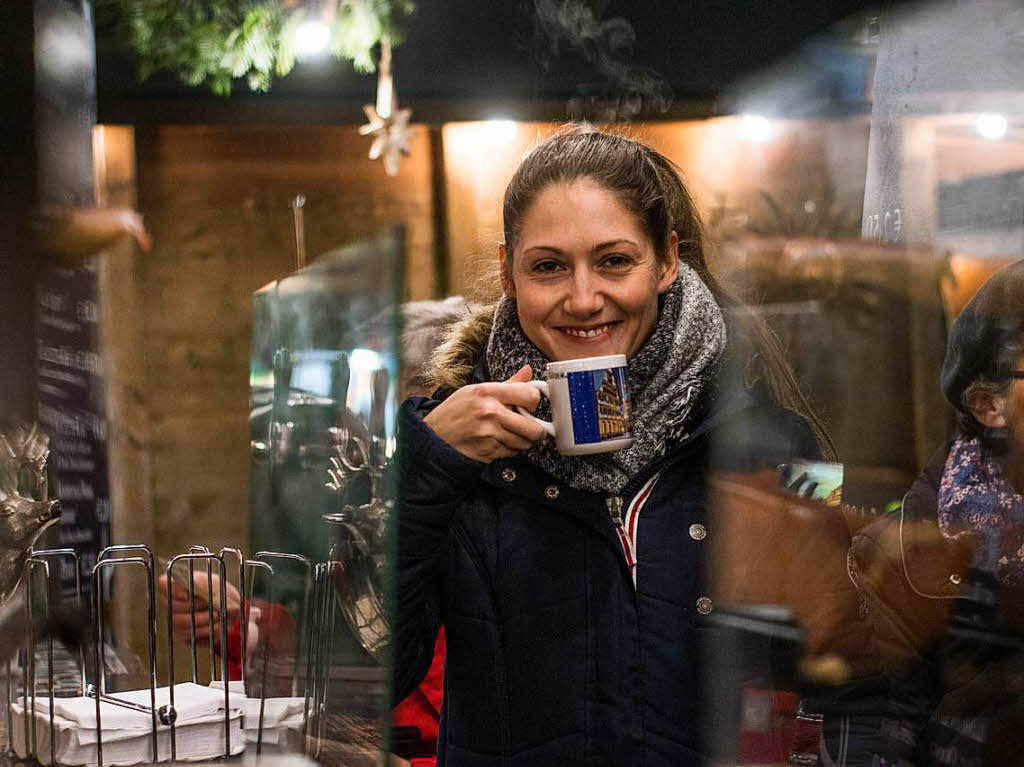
{"type": "Point", "coordinates": [622, 91]}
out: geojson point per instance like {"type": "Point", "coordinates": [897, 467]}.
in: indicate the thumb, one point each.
{"type": "Point", "coordinates": [525, 373]}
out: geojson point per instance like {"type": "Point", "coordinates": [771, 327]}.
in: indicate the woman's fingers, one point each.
{"type": "Point", "coordinates": [525, 373]}
{"type": "Point", "coordinates": [511, 394]}
{"type": "Point", "coordinates": [526, 429]}
{"type": "Point", "coordinates": [512, 442]}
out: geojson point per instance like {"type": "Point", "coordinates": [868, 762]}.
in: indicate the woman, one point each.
{"type": "Point", "coordinates": [572, 626]}
{"type": "Point", "coordinates": [943, 578]}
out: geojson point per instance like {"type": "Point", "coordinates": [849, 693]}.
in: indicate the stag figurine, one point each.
{"type": "Point", "coordinates": [25, 506]}
{"type": "Point", "coordinates": [359, 532]}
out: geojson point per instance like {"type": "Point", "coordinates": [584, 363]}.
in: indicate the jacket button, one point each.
{"type": "Point", "coordinates": [955, 579]}
{"type": "Point", "coordinates": [698, 532]}
{"type": "Point", "coordinates": [509, 475]}
{"type": "Point", "coordinates": [704, 605]}
{"type": "Point", "coordinates": [551, 493]}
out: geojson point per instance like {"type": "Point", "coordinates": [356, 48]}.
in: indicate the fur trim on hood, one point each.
{"type": "Point", "coordinates": [451, 366]}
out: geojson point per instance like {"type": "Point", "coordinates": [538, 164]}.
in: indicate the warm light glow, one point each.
{"type": "Point", "coordinates": [498, 131]}
{"type": "Point", "coordinates": [756, 128]}
{"type": "Point", "coordinates": [312, 37]}
{"type": "Point", "coordinates": [991, 126]}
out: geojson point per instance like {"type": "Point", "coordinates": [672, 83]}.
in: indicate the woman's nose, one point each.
{"type": "Point", "coordinates": [585, 298]}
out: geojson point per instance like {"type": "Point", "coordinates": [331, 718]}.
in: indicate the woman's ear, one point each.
{"type": "Point", "coordinates": [988, 409]}
{"type": "Point", "coordinates": [508, 287]}
{"type": "Point", "coordinates": [669, 266]}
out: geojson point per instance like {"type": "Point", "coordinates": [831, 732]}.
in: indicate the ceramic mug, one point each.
{"type": "Point", "coordinates": [590, 405]}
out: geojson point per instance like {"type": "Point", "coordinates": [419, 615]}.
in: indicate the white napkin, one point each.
{"type": "Point", "coordinates": [277, 712]}
{"type": "Point", "coordinates": [192, 702]}
{"type": "Point", "coordinates": [127, 734]}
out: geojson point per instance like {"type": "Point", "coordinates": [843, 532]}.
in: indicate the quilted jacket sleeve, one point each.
{"type": "Point", "coordinates": [434, 478]}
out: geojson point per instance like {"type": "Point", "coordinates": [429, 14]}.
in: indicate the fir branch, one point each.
{"type": "Point", "coordinates": [214, 42]}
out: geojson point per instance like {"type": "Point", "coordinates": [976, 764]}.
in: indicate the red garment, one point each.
{"type": "Point", "coordinates": [422, 709]}
{"type": "Point", "coordinates": [274, 624]}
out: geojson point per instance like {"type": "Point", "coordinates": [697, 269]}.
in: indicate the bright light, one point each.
{"type": "Point", "coordinates": [364, 360]}
{"type": "Point", "coordinates": [498, 131]}
{"type": "Point", "coordinates": [312, 37]}
{"type": "Point", "coordinates": [991, 126]}
{"type": "Point", "coordinates": [756, 128]}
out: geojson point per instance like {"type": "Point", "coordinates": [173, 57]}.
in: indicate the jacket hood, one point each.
{"type": "Point", "coordinates": [453, 365]}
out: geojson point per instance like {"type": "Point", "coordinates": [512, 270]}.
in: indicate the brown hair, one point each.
{"type": "Point", "coordinates": [649, 185]}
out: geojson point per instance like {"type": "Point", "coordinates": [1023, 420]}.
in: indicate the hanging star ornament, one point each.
{"type": "Point", "coordinates": [388, 124]}
{"type": "Point", "coordinates": [390, 136]}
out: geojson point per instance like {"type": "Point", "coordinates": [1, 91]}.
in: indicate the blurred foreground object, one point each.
{"type": "Point", "coordinates": [25, 508]}
{"type": "Point", "coordinates": [772, 547]}
{"type": "Point", "coordinates": [74, 234]}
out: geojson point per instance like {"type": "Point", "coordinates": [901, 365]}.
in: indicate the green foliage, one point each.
{"type": "Point", "coordinates": [214, 42]}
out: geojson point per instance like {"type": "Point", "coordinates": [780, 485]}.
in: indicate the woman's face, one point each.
{"type": "Point", "coordinates": [585, 274]}
{"type": "Point", "coordinates": [1007, 411]}
{"type": "Point", "coordinates": [1014, 413]}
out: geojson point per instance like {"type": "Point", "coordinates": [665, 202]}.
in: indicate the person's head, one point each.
{"type": "Point", "coordinates": [424, 324]}
{"type": "Point", "coordinates": [996, 405]}
{"type": "Point", "coordinates": [595, 224]}
{"type": "Point", "coordinates": [984, 354]}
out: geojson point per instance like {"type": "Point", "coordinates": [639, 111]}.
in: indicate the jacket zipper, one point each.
{"type": "Point", "coordinates": [614, 503]}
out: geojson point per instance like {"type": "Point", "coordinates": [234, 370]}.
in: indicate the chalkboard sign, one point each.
{"type": "Point", "coordinates": [71, 410]}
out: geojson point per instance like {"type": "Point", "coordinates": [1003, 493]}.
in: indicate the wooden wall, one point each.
{"type": "Point", "coordinates": [216, 201]}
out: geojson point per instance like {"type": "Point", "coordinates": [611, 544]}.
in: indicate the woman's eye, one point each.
{"type": "Point", "coordinates": [617, 260]}
{"type": "Point", "coordinates": [546, 267]}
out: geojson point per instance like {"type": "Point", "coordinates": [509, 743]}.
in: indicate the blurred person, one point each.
{"type": "Point", "coordinates": [943, 577]}
{"type": "Point", "coordinates": [572, 589]}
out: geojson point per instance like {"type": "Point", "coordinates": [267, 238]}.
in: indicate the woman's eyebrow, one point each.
{"type": "Point", "coordinates": [611, 244]}
{"type": "Point", "coordinates": [546, 248]}
{"type": "Point", "coordinates": [595, 249]}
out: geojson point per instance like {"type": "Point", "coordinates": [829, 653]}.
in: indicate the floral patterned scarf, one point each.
{"type": "Point", "coordinates": [976, 499]}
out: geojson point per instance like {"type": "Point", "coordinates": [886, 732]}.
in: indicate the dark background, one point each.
{"type": "Point", "coordinates": [470, 59]}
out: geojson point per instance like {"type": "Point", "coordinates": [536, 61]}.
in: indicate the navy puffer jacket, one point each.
{"type": "Point", "coordinates": [554, 656]}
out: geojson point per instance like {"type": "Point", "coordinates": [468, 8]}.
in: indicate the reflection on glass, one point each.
{"type": "Point", "coordinates": [323, 379]}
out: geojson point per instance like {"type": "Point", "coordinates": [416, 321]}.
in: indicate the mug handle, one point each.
{"type": "Point", "coordinates": [542, 387]}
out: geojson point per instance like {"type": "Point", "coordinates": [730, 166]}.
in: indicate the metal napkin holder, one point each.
{"type": "Point", "coordinates": [317, 592]}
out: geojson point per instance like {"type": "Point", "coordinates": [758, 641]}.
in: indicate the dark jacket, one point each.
{"type": "Point", "coordinates": [554, 658]}
{"type": "Point", "coordinates": [943, 694]}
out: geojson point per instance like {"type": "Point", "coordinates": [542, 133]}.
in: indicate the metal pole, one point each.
{"type": "Point", "coordinates": [97, 594]}
{"type": "Point", "coordinates": [244, 616]}
{"type": "Point", "coordinates": [266, 652]}
{"type": "Point", "coordinates": [307, 565]}
{"type": "Point", "coordinates": [192, 557]}
{"type": "Point", "coordinates": [297, 204]}
{"type": "Point", "coordinates": [79, 596]}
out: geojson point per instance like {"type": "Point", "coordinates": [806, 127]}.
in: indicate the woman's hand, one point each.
{"type": "Point", "coordinates": [180, 619]}
{"type": "Point", "coordinates": [479, 420]}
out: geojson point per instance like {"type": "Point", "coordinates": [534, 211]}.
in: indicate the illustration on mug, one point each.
{"type": "Point", "coordinates": [600, 405]}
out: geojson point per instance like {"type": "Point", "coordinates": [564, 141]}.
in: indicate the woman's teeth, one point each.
{"type": "Point", "coordinates": [593, 333]}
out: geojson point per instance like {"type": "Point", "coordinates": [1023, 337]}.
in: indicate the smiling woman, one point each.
{"type": "Point", "coordinates": [570, 586]}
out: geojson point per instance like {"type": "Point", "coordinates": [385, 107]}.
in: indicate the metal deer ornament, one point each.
{"type": "Point", "coordinates": [360, 530]}
{"type": "Point", "coordinates": [25, 506]}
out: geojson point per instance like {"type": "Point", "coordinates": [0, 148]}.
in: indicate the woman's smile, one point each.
{"type": "Point", "coordinates": [589, 334]}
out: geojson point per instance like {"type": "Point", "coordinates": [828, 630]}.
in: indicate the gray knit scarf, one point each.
{"type": "Point", "coordinates": [666, 379]}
